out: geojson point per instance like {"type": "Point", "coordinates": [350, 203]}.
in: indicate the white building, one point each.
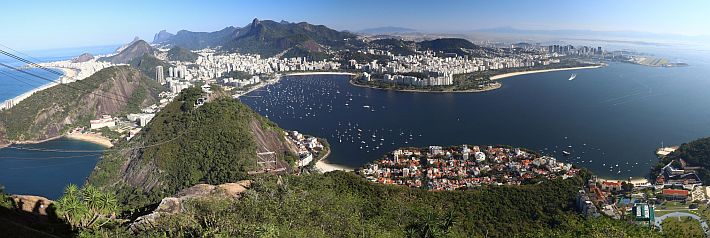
{"type": "Point", "coordinates": [104, 121]}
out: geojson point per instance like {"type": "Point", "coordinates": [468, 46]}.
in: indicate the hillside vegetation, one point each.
{"type": "Point", "coordinates": [51, 112]}
{"type": "Point", "coordinates": [341, 204]}
{"type": "Point", "coordinates": [185, 145]}
{"type": "Point", "coordinates": [695, 153]}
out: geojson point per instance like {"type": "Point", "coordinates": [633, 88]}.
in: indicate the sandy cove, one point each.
{"type": "Point", "coordinates": [506, 75]}
{"type": "Point", "coordinates": [323, 166]}
{"type": "Point", "coordinates": [91, 138]}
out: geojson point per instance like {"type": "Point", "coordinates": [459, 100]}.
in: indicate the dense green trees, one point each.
{"type": "Point", "coordinates": [695, 153]}
{"type": "Point", "coordinates": [341, 204]}
{"type": "Point", "coordinates": [182, 146]}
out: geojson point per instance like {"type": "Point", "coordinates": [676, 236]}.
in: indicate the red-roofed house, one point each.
{"type": "Point", "coordinates": [611, 186]}
{"type": "Point", "coordinates": [675, 194]}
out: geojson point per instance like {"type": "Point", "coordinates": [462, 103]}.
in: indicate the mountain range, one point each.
{"type": "Point", "coordinates": [267, 38]}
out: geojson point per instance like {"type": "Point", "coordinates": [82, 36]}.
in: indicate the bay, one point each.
{"type": "Point", "coordinates": [611, 119]}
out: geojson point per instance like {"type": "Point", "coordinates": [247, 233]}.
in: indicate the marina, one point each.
{"type": "Point", "coordinates": [363, 124]}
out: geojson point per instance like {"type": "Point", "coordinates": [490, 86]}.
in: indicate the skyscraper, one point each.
{"type": "Point", "coordinates": [159, 74]}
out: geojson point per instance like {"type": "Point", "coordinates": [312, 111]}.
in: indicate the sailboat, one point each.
{"type": "Point", "coordinates": [572, 77]}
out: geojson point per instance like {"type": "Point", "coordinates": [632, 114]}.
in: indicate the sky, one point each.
{"type": "Point", "coordinates": [30, 24]}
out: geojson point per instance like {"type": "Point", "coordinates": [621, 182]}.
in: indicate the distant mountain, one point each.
{"type": "Point", "coordinates": [448, 45]}
{"type": "Point", "coordinates": [181, 54]}
{"type": "Point", "coordinates": [135, 50]}
{"type": "Point", "coordinates": [83, 58]}
{"type": "Point", "coordinates": [591, 34]}
{"type": "Point", "coordinates": [268, 38]}
{"type": "Point", "coordinates": [162, 36]}
{"type": "Point", "coordinates": [199, 40]}
{"type": "Point", "coordinates": [386, 30]}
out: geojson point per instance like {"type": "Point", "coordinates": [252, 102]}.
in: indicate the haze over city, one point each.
{"type": "Point", "coordinates": [100, 23]}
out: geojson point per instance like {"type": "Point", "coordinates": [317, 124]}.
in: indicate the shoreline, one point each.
{"type": "Point", "coordinates": [69, 74]}
{"type": "Point", "coordinates": [507, 75]}
{"type": "Point", "coordinates": [323, 166]}
{"type": "Point", "coordinates": [91, 138]}
{"type": "Point", "coordinates": [498, 85]}
{"type": "Point", "coordinates": [318, 73]}
{"type": "Point", "coordinates": [493, 78]}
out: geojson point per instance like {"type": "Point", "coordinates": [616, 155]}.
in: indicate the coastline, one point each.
{"type": "Point", "coordinates": [318, 73]}
{"type": "Point", "coordinates": [91, 138]}
{"type": "Point", "coordinates": [323, 166]}
{"type": "Point", "coordinates": [498, 85]}
{"type": "Point", "coordinates": [69, 74]}
{"type": "Point", "coordinates": [493, 78]}
{"type": "Point", "coordinates": [507, 75]}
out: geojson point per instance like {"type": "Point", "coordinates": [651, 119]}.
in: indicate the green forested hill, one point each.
{"type": "Point", "coordinates": [50, 112]}
{"type": "Point", "coordinates": [184, 145]}
{"type": "Point", "coordinates": [695, 153]}
{"type": "Point", "coordinates": [181, 54]}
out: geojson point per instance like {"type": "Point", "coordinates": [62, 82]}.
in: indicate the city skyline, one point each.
{"type": "Point", "coordinates": [77, 23]}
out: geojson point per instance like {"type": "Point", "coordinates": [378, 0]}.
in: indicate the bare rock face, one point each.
{"type": "Point", "coordinates": [173, 205]}
{"type": "Point", "coordinates": [31, 204]}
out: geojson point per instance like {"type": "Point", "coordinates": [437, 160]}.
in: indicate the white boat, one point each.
{"type": "Point", "coordinates": [572, 77]}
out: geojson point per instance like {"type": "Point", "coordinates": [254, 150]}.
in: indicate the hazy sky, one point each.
{"type": "Point", "coordinates": [28, 24]}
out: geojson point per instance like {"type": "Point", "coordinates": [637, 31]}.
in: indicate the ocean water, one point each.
{"type": "Point", "coordinates": [611, 119]}
{"type": "Point", "coordinates": [13, 83]}
{"type": "Point", "coordinates": [44, 169]}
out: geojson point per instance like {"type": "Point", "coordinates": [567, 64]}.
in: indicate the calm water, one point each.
{"type": "Point", "coordinates": [13, 83]}
{"type": "Point", "coordinates": [42, 170]}
{"type": "Point", "coordinates": [44, 173]}
{"type": "Point", "coordinates": [611, 119]}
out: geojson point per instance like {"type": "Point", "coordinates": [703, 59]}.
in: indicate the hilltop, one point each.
{"type": "Point", "coordinates": [83, 58]}
{"type": "Point", "coordinates": [185, 145]}
{"type": "Point", "coordinates": [51, 112]}
{"type": "Point", "coordinates": [134, 50]}
{"type": "Point", "coordinates": [448, 45]}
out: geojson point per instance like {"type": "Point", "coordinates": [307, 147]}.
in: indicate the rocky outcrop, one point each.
{"type": "Point", "coordinates": [174, 205]}
{"type": "Point", "coordinates": [134, 50]}
{"type": "Point", "coordinates": [83, 58]}
{"type": "Point", "coordinates": [162, 36]}
{"type": "Point", "coordinates": [31, 204]}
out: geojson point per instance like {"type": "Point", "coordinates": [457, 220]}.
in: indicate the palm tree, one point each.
{"type": "Point", "coordinates": [83, 208]}
{"type": "Point", "coordinates": [70, 206]}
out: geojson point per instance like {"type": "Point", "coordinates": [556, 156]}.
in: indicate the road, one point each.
{"type": "Point", "coordinates": [704, 224]}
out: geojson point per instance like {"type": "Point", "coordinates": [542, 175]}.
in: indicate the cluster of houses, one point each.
{"type": "Point", "coordinates": [463, 167]}
{"type": "Point", "coordinates": [676, 182]}
{"type": "Point", "coordinates": [308, 147]}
